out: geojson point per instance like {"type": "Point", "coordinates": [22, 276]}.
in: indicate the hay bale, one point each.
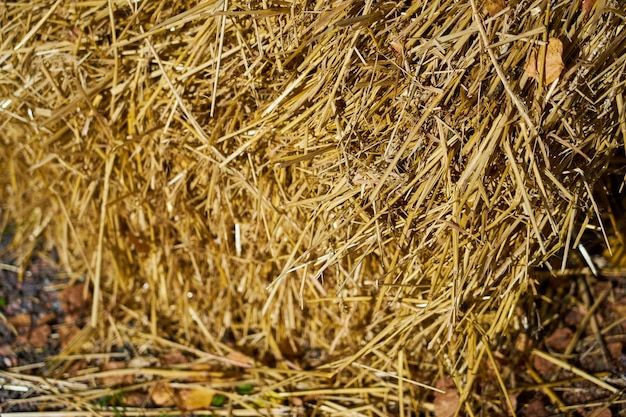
{"type": "Point", "coordinates": [375, 180]}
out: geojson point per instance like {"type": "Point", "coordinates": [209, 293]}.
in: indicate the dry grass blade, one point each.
{"type": "Point", "coordinates": [272, 188]}
{"type": "Point", "coordinates": [597, 381]}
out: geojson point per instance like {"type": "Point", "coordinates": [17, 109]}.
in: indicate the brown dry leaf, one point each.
{"type": "Point", "coordinates": [513, 399]}
{"type": "Point", "coordinates": [553, 62]}
{"type": "Point", "coordinates": [397, 48]}
{"type": "Point", "coordinates": [543, 366]}
{"type": "Point", "coordinates": [113, 379]}
{"type": "Point", "coordinates": [38, 337]}
{"type": "Point", "coordinates": [588, 5]}
{"type": "Point", "coordinates": [531, 66]}
{"type": "Point", "coordinates": [162, 395]}
{"type": "Point", "coordinates": [76, 368]}
{"type": "Point", "coordinates": [195, 398]}
{"type": "Point", "coordinates": [21, 340]}
{"type": "Point", "coordinates": [239, 357]}
{"type": "Point", "coordinates": [560, 339]}
{"type": "Point", "coordinates": [6, 350]}
{"type": "Point", "coordinates": [446, 403]}
{"type": "Point", "coordinates": [135, 399]}
{"type": "Point", "coordinates": [536, 408]}
{"type": "Point", "coordinates": [172, 358]}
{"type": "Point", "coordinates": [46, 318]}
{"type": "Point", "coordinates": [575, 316]}
{"type": "Point", "coordinates": [493, 7]}
{"type": "Point", "coordinates": [398, 51]}
{"type": "Point", "coordinates": [20, 320]}
{"type": "Point", "coordinates": [67, 334]}
{"type": "Point", "coordinates": [615, 349]}
{"type": "Point", "coordinates": [73, 301]}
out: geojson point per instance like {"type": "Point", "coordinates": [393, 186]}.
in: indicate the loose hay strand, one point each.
{"type": "Point", "coordinates": [95, 310]}
{"type": "Point", "coordinates": [374, 182]}
{"type": "Point", "coordinates": [575, 370]}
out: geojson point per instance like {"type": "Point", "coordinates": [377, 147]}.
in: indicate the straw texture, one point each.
{"type": "Point", "coordinates": [371, 180]}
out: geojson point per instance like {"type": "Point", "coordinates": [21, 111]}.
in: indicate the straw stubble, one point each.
{"type": "Point", "coordinates": [375, 180]}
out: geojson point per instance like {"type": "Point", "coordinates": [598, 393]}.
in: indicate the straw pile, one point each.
{"type": "Point", "coordinates": [369, 181]}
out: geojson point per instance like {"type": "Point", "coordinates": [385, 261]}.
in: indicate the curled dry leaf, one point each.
{"type": "Point", "coordinates": [162, 395]}
{"type": "Point", "coordinates": [397, 47]}
{"type": "Point", "coordinates": [446, 403]}
{"type": "Point", "coordinates": [116, 379]}
{"type": "Point", "coordinates": [553, 63]}
{"type": "Point", "coordinates": [493, 7]}
{"type": "Point", "coordinates": [398, 51]}
{"type": "Point", "coordinates": [195, 398]}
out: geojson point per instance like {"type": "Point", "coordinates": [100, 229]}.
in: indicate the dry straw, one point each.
{"type": "Point", "coordinates": [370, 181]}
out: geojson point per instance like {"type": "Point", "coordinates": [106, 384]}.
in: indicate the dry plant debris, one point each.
{"type": "Point", "coordinates": [340, 203]}
{"type": "Point", "coordinates": [552, 64]}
